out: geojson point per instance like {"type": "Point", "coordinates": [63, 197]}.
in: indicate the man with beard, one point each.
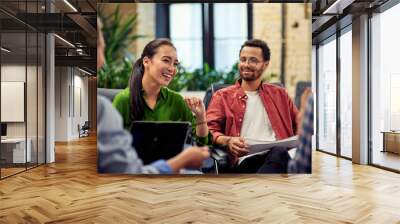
{"type": "Point", "coordinates": [251, 109]}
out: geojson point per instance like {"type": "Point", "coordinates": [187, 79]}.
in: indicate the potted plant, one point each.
{"type": "Point", "coordinates": [202, 78]}
{"type": "Point", "coordinates": [118, 36]}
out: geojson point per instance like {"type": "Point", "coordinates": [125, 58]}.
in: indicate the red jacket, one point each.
{"type": "Point", "coordinates": [227, 107]}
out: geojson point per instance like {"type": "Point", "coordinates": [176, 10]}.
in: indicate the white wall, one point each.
{"type": "Point", "coordinates": [71, 93]}
{"type": "Point", "coordinates": [12, 100]}
{"type": "Point", "coordinates": [33, 127]}
{"type": "Point", "coordinates": [61, 103]}
{"type": "Point", "coordinates": [81, 83]}
{"type": "Point", "coordinates": [12, 73]}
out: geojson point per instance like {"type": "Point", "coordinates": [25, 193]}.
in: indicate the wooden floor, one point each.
{"type": "Point", "coordinates": [5, 172]}
{"type": "Point", "coordinates": [70, 191]}
{"type": "Point", "coordinates": [10, 171]}
{"type": "Point", "coordinates": [387, 159]}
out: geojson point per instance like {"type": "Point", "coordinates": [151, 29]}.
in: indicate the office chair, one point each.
{"type": "Point", "coordinates": [217, 153]}
{"type": "Point", "coordinates": [210, 92]}
{"type": "Point", "coordinates": [84, 130]}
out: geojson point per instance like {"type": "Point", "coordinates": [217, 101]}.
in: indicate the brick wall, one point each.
{"type": "Point", "coordinates": [146, 25]}
{"type": "Point", "coordinates": [298, 47]}
{"type": "Point", "coordinates": [145, 22]}
{"type": "Point", "coordinates": [267, 25]}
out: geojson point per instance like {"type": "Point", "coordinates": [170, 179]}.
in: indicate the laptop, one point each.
{"type": "Point", "coordinates": [154, 140]}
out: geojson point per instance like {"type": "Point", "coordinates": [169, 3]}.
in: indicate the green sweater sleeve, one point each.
{"type": "Point", "coordinates": [122, 104]}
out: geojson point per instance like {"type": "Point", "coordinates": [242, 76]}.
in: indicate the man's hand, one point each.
{"type": "Point", "coordinates": [195, 156]}
{"type": "Point", "coordinates": [237, 146]}
{"type": "Point", "coordinates": [189, 158]}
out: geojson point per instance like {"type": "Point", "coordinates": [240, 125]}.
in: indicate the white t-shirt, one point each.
{"type": "Point", "coordinates": [256, 124]}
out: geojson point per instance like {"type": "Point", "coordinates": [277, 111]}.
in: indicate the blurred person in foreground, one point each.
{"type": "Point", "coordinates": [301, 163]}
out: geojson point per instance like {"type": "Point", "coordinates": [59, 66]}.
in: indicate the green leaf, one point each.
{"type": "Point", "coordinates": [118, 35]}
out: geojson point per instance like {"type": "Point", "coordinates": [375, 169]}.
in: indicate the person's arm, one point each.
{"type": "Point", "coordinates": [302, 160]}
{"type": "Point", "coordinates": [189, 158]}
{"type": "Point", "coordinates": [303, 108]}
{"type": "Point", "coordinates": [114, 144]}
{"type": "Point", "coordinates": [203, 136]}
{"type": "Point", "coordinates": [199, 126]}
{"type": "Point", "coordinates": [216, 119]}
{"type": "Point", "coordinates": [197, 107]}
{"type": "Point", "coordinates": [223, 140]}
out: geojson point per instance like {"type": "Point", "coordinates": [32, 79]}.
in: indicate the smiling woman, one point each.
{"type": "Point", "coordinates": [148, 98]}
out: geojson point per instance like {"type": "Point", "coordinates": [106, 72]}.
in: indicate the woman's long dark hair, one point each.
{"type": "Point", "coordinates": [135, 81]}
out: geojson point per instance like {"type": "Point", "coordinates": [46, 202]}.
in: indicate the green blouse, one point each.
{"type": "Point", "coordinates": [170, 106]}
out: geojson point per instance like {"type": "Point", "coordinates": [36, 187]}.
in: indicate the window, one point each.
{"type": "Point", "coordinates": [314, 89]}
{"type": "Point", "coordinates": [228, 37]}
{"type": "Point", "coordinates": [186, 34]}
{"type": "Point", "coordinates": [346, 93]}
{"type": "Point", "coordinates": [327, 95]}
{"type": "Point", "coordinates": [22, 73]}
{"type": "Point", "coordinates": [385, 84]}
{"type": "Point", "coordinates": [204, 35]}
{"type": "Point", "coordinates": [334, 106]}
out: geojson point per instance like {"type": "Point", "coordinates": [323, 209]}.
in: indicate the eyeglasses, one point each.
{"type": "Point", "coordinates": [251, 60]}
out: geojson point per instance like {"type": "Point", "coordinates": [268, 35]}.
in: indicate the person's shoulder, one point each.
{"type": "Point", "coordinates": [170, 92]}
{"type": "Point", "coordinates": [122, 96]}
{"type": "Point", "coordinates": [274, 89]}
{"type": "Point", "coordinates": [105, 110]}
{"type": "Point", "coordinates": [227, 91]}
{"type": "Point", "coordinates": [171, 95]}
{"type": "Point", "coordinates": [175, 99]}
{"type": "Point", "coordinates": [102, 102]}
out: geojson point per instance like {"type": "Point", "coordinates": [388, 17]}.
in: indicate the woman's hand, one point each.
{"type": "Point", "coordinates": [197, 107]}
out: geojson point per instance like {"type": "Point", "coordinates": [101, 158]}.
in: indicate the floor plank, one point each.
{"type": "Point", "coordinates": [71, 191]}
